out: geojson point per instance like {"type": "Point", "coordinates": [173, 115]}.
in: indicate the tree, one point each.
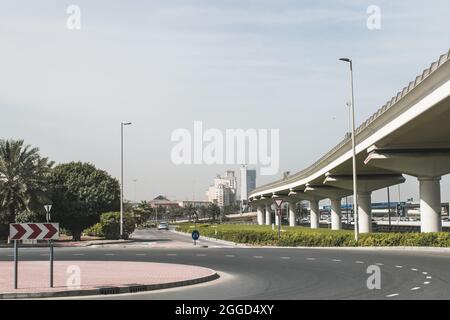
{"type": "Point", "coordinates": [143, 212]}
{"type": "Point", "coordinates": [23, 180]}
{"type": "Point", "coordinates": [213, 211]}
{"type": "Point", "coordinates": [203, 212]}
{"type": "Point", "coordinates": [191, 212]}
{"type": "Point", "coordinates": [80, 193]}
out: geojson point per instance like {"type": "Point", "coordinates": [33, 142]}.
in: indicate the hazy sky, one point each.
{"type": "Point", "coordinates": [231, 64]}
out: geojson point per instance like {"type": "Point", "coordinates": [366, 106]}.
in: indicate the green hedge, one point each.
{"type": "Point", "coordinates": [109, 226]}
{"type": "Point", "coordinates": [94, 231]}
{"type": "Point", "coordinates": [306, 237]}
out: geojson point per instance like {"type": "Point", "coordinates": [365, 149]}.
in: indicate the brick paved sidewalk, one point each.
{"type": "Point", "coordinates": [34, 275]}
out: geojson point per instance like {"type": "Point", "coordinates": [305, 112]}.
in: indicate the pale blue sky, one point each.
{"type": "Point", "coordinates": [231, 64]}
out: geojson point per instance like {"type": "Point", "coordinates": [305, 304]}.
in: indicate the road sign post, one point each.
{"type": "Point", "coordinates": [195, 236]}
{"type": "Point", "coordinates": [48, 208]}
{"type": "Point", "coordinates": [16, 263]}
{"type": "Point", "coordinates": [33, 231]}
{"type": "Point", "coordinates": [51, 263]}
{"type": "Point", "coordinates": [279, 203]}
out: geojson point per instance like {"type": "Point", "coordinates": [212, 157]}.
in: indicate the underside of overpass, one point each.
{"type": "Point", "coordinates": [409, 135]}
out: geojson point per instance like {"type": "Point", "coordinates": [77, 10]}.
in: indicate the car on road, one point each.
{"type": "Point", "coordinates": [163, 226]}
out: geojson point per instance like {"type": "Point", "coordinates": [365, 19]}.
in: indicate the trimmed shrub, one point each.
{"type": "Point", "coordinates": [110, 225]}
{"type": "Point", "coordinates": [95, 231]}
{"type": "Point", "coordinates": [306, 237]}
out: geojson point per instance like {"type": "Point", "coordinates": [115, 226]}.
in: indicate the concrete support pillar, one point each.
{"type": "Point", "coordinates": [365, 212]}
{"type": "Point", "coordinates": [430, 204]}
{"type": "Point", "coordinates": [336, 214]}
{"type": "Point", "coordinates": [314, 214]}
{"type": "Point", "coordinates": [277, 218]}
{"type": "Point", "coordinates": [268, 215]}
{"type": "Point", "coordinates": [260, 214]}
{"type": "Point", "coordinates": [291, 214]}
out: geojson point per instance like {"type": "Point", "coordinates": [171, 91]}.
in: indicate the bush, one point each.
{"type": "Point", "coordinates": [4, 231]}
{"type": "Point", "coordinates": [95, 231]}
{"type": "Point", "coordinates": [29, 216]}
{"type": "Point", "coordinates": [110, 225]}
{"type": "Point", "coordinates": [147, 225]}
{"type": "Point", "coordinates": [306, 237]}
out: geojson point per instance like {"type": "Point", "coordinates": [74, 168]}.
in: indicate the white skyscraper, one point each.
{"type": "Point", "coordinates": [223, 192]}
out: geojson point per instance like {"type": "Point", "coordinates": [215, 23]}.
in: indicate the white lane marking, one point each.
{"type": "Point", "coordinates": [429, 277]}
{"type": "Point", "coordinates": [44, 254]}
{"type": "Point", "coordinates": [414, 269]}
{"type": "Point", "coordinates": [426, 282]}
{"type": "Point", "coordinates": [78, 254]}
{"type": "Point", "coordinates": [171, 254]}
{"type": "Point", "coordinates": [392, 295]}
{"type": "Point", "coordinates": [415, 288]}
{"type": "Point", "coordinates": [229, 255]}
{"type": "Point", "coordinates": [379, 264]}
{"type": "Point", "coordinates": [359, 262]}
{"type": "Point", "coordinates": [108, 254]}
{"type": "Point", "coordinates": [201, 255]}
{"type": "Point", "coordinates": [337, 260]}
{"type": "Point", "coordinates": [399, 267]}
{"type": "Point", "coordinates": [311, 259]}
{"type": "Point", "coordinates": [424, 272]}
{"type": "Point", "coordinates": [257, 257]}
{"type": "Point", "coordinates": [140, 254]}
{"type": "Point", "coordinates": [285, 258]}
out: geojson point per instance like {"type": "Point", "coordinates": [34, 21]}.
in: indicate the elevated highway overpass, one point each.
{"type": "Point", "coordinates": [410, 134]}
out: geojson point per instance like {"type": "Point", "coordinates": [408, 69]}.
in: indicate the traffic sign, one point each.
{"type": "Point", "coordinates": [279, 202]}
{"type": "Point", "coordinates": [34, 231]}
{"type": "Point", "coordinates": [195, 235]}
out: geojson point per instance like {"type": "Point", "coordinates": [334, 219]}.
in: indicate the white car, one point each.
{"type": "Point", "coordinates": [163, 226]}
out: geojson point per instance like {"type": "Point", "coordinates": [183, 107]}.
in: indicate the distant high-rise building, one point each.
{"type": "Point", "coordinates": [251, 180]}
{"type": "Point", "coordinates": [223, 192]}
{"type": "Point", "coordinates": [248, 184]}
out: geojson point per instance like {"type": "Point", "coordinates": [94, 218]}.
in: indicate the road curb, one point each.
{"type": "Point", "coordinates": [422, 249]}
{"type": "Point", "coordinates": [402, 248]}
{"type": "Point", "coordinates": [225, 242]}
{"type": "Point", "coordinates": [62, 244]}
{"type": "Point", "coordinates": [109, 290]}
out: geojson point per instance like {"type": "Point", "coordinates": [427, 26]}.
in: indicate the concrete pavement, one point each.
{"type": "Point", "coordinates": [94, 277]}
{"type": "Point", "coordinates": [279, 273]}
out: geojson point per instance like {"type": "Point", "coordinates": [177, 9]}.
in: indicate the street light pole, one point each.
{"type": "Point", "coordinates": [121, 176]}
{"type": "Point", "coordinates": [355, 193]}
{"type": "Point", "coordinates": [135, 180]}
{"type": "Point", "coordinates": [389, 207]}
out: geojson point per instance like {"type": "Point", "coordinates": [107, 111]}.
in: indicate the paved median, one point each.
{"type": "Point", "coordinates": [72, 278]}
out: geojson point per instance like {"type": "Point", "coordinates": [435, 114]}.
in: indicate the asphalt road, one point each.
{"type": "Point", "coordinates": [275, 273]}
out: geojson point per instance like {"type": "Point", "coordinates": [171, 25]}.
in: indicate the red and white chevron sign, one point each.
{"type": "Point", "coordinates": [34, 231]}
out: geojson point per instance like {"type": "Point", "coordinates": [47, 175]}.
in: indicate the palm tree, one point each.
{"type": "Point", "coordinates": [23, 176]}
